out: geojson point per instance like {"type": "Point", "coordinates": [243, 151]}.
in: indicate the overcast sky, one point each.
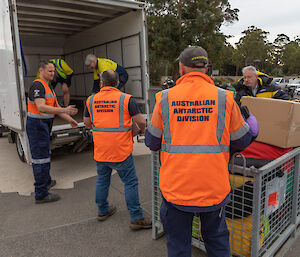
{"type": "Point", "coordinates": [273, 16]}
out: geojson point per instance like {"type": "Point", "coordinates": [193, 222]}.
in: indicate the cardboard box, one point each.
{"type": "Point", "coordinates": [278, 120]}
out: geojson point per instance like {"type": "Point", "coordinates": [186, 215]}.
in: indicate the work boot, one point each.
{"type": "Point", "coordinates": [49, 198]}
{"type": "Point", "coordinates": [141, 224]}
{"type": "Point", "coordinates": [52, 184]}
{"type": "Point", "coordinates": [112, 210]}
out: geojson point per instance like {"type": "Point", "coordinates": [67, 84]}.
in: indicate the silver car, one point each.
{"type": "Point", "coordinates": [282, 82]}
{"type": "Point", "coordinates": [292, 86]}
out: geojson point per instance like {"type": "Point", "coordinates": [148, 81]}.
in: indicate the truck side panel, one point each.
{"type": "Point", "coordinates": [9, 89]}
{"type": "Point", "coordinates": [119, 39]}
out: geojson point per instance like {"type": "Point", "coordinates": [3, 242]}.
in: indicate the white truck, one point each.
{"type": "Point", "coordinates": [31, 30]}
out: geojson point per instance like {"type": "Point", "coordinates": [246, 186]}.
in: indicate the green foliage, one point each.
{"type": "Point", "coordinates": [276, 53]}
{"type": "Point", "coordinates": [252, 48]}
{"type": "Point", "coordinates": [175, 24]}
{"type": "Point", "coordinates": [291, 57]}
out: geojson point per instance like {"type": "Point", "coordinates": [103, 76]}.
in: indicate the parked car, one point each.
{"type": "Point", "coordinates": [297, 93]}
{"type": "Point", "coordinates": [282, 82]}
{"type": "Point", "coordinates": [292, 86]}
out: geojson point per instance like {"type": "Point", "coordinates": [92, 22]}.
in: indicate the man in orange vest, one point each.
{"type": "Point", "coordinates": [111, 113]}
{"type": "Point", "coordinates": [42, 107]}
{"type": "Point", "coordinates": [194, 124]}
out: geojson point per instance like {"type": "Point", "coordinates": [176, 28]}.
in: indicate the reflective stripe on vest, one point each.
{"type": "Point", "coordinates": [222, 99]}
{"type": "Point", "coordinates": [40, 116]}
{"type": "Point", "coordinates": [50, 96]}
{"type": "Point", "coordinates": [240, 133]}
{"type": "Point", "coordinates": [154, 131]}
{"type": "Point", "coordinates": [121, 127]}
{"type": "Point", "coordinates": [191, 149]}
{"type": "Point", "coordinates": [166, 115]}
{"type": "Point", "coordinates": [58, 67]}
{"type": "Point", "coordinates": [46, 96]}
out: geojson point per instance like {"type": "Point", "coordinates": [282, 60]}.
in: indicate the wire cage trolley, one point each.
{"type": "Point", "coordinates": [264, 210]}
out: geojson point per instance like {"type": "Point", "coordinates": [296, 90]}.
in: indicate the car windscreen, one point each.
{"type": "Point", "coordinates": [296, 81]}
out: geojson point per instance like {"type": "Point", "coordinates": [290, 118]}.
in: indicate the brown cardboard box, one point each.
{"type": "Point", "coordinates": [278, 120]}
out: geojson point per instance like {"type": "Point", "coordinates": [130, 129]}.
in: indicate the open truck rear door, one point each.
{"type": "Point", "coordinates": [12, 95]}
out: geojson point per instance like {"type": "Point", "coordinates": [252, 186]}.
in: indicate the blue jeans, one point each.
{"type": "Point", "coordinates": [127, 173]}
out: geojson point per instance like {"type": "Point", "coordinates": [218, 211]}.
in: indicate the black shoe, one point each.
{"type": "Point", "coordinates": [52, 184]}
{"type": "Point", "coordinates": [48, 199]}
{"type": "Point", "coordinates": [112, 210]}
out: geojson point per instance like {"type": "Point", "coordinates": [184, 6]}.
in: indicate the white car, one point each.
{"type": "Point", "coordinates": [282, 82]}
{"type": "Point", "coordinates": [297, 93]}
{"type": "Point", "coordinates": [292, 86]}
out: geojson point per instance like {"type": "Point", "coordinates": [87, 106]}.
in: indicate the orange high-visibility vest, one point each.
{"type": "Point", "coordinates": [50, 98]}
{"type": "Point", "coordinates": [196, 133]}
{"type": "Point", "coordinates": [112, 125]}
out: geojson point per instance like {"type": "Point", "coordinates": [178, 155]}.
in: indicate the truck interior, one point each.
{"type": "Point", "coordinates": [71, 29]}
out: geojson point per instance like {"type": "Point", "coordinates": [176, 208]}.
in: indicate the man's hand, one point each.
{"type": "Point", "coordinates": [140, 122]}
{"type": "Point", "coordinates": [71, 110]}
{"type": "Point", "coordinates": [73, 123]}
{"type": "Point", "coordinates": [87, 122]}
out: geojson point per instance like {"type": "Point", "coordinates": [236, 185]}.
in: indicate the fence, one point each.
{"type": "Point", "coordinates": [264, 210]}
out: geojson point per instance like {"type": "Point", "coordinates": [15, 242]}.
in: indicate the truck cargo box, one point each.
{"type": "Point", "coordinates": [32, 30]}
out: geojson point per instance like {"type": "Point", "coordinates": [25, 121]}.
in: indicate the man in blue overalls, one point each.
{"type": "Point", "coordinates": [42, 107]}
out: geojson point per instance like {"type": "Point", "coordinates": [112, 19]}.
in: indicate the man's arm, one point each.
{"type": "Point", "coordinates": [153, 136]}
{"type": "Point", "coordinates": [240, 131]}
{"type": "Point", "coordinates": [96, 85]}
{"type": "Point", "coordinates": [280, 94]}
{"type": "Point", "coordinates": [88, 122]}
{"type": "Point", "coordinates": [140, 121]}
{"type": "Point", "coordinates": [87, 118]}
{"type": "Point", "coordinates": [238, 98]}
{"type": "Point", "coordinates": [69, 79]}
{"type": "Point", "coordinates": [43, 107]}
{"type": "Point", "coordinates": [68, 119]}
{"type": "Point", "coordinates": [67, 70]}
{"type": "Point", "coordinates": [152, 142]}
{"type": "Point", "coordinates": [136, 115]}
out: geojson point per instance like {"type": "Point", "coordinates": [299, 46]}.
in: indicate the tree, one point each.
{"type": "Point", "coordinates": [252, 48]}
{"type": "Point", "coordinates": [279, 44]}
{"type": "Point", "coordinates": [291, 57]}
{"type": "Point", "coordinates": [224, 62]}
{"type": "Point", "coordinates": [175, 24]}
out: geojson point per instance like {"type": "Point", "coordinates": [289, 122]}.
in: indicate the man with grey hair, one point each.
{"type": "Point", "coordinates": [99, 65]}
{"type": "Point", "coordinates": [257, 84]}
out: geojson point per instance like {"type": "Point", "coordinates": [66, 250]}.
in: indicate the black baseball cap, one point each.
{"type": "Point", "coordinates": [194, 57]}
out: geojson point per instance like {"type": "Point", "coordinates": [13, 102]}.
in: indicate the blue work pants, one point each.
{"type": "Point", "coordinates": [127, 173]}
{"type": "Point", "coordinates": [177, 226]}
{"type": "Point", "coordinates": [38, 132]}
